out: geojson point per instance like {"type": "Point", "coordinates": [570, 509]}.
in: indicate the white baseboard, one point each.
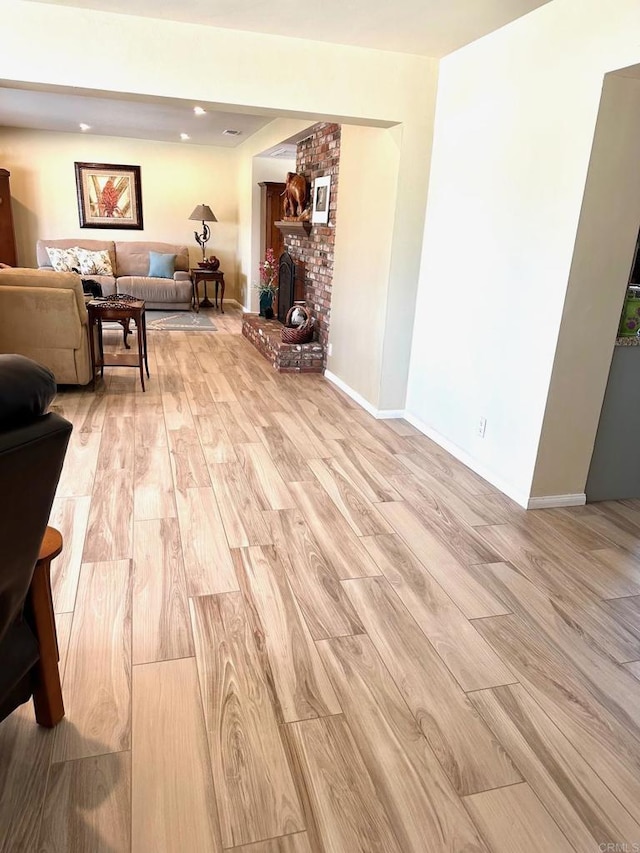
{"type": "Point", "coordinates": [462, 456]}
{"type": "Point", "coordinates": [380, 414]}
{"type": "Point", "coordinates": [522, 499]}
{"type": "Point", "coordinates": [548, 501]}
{"type": "Point", "coordinates": [389, 414]}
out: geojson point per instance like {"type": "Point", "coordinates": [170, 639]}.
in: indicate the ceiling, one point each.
{"type": "Point", "coordinates": [160, 119]}
{"type": "Point", "coordinates": [428, 27]}
{"type": "Point", "coordinates": [431, 27]}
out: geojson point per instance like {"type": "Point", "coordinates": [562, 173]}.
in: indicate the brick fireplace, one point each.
{"type": "Point", "coordinates": [285, 358]}
{"type": "Point", "coordinates": [318, 155]}
{"type": "Point", "coordinates": [311, 250]}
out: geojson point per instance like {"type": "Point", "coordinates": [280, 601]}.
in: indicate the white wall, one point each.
{"type": "Point", "coordinates": [175, 178]}
{"type": "Point", "coordinates": [294, 78]}
{"type": "Point", "coordinates": [515, 119]}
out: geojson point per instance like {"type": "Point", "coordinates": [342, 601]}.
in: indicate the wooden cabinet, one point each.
{"type": "Point", "coordinates": [271, 207]}
{"type": "Point", "coordinates": [7, 235]}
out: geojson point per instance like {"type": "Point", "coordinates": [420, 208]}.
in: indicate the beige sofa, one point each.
{"type": "Point", "coordinates": [43, 316]}
{"type": "Point", "coordinates": [130, 263]}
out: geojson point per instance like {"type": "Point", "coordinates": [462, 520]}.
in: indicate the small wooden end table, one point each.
{"type": "Point", "coordinates": [47, 695]}
{"type": "Point", "coordinates": [198, 275]}
{"type": "Point", "coordinates": [119, 308]}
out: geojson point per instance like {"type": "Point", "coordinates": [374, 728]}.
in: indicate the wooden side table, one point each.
{"type": "Point", "coordinates": [124, 323]}
{"type": "Point", "coordinates": [198, 275]}
{"type": "Point", "coordinates": [47, 694]}
{"type": "Point", "coordinates": [119, 308]}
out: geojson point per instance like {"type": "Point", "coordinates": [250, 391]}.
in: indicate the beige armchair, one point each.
{"type": "Point", "coordinates": [43, 316]}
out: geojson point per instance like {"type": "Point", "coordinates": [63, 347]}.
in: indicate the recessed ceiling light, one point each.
{"type": "Point", "coordinates": [199, 111]}
{"type": "Point", "coordinates": [84, 126]}
{"type": "Point", "coordinates": [184, 137]}
{"type": "Point", "coordinates": [230, 132]}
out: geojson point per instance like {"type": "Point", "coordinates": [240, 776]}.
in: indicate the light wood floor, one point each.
{"type": "Point", "coordinates": [287, 627]}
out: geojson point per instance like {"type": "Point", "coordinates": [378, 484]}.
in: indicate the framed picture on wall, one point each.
{"type": "Point", "coordinates": [109, 196]}
{"type": "Point", "coordinates": [321, 194]}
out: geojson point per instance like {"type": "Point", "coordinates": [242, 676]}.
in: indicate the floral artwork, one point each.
{"type": "Point", "coordinates": [109, 196]}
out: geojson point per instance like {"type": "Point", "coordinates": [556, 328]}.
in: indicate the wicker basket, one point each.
{"type": "Point", "coordinates": [298, 334]}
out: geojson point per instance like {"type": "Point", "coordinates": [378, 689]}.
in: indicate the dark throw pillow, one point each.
{"type": "Point", "coordinates": [26, 390]}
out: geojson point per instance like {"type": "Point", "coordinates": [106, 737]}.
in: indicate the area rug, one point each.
{"type": "Point", "coordinates": [179, 321]}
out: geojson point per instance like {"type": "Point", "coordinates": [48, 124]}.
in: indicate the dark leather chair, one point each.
{"type": "Point", "coordinates": [32, 449]}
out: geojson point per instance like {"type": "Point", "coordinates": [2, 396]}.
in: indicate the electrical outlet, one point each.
{"type": "Point", "coordinates": [329, 349]}
{"type": "Point", "coordinates": [482, 427]}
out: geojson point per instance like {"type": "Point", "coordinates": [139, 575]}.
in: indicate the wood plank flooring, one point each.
{"type": "Point", "coordinates": [286, 627]}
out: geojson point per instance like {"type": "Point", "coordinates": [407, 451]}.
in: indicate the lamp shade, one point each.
{"type": "Point", "coordinates": [203, 213]}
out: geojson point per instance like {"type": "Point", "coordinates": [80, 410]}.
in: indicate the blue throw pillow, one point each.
{"type": "Point", "coordinates": [161, 266]}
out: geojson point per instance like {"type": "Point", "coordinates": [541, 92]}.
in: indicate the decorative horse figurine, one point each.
{"type": "Point", "coordinates": [295, 196]}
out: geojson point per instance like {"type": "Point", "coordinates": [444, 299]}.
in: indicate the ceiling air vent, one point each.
{"type": "Point", "coordinates": [231, 132]}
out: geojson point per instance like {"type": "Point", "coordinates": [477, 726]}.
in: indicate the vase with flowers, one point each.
{"type": "Point", "coordinates": [267, 286]}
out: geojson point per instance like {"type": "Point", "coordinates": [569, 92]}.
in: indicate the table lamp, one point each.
{"type": "Point", "coordinates": [204, 214]}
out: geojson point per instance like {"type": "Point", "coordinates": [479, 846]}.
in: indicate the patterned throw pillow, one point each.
{"type": "Point", "coordinates": [94, 263]}
{"type": "Point", "coordinates": [63, 260]}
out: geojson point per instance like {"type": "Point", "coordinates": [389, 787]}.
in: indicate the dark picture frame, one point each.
{"type": "Point", "coordinates": [109, 196]}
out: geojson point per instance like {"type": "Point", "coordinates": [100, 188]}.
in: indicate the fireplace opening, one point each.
{"type": "Point", "coordinates": [290, 284]}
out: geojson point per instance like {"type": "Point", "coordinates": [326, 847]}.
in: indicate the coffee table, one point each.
{"type": "Point", "coordinates": [122, 309]}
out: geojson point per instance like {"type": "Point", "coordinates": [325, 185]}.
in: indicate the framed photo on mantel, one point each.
{"type": "Point", "coordinates": [321, 194]}
{"type": "Point", "coordinates": [109, 196]}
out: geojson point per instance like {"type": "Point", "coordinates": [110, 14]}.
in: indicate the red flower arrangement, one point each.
{"type": "Point", "coordinates": [268, 274]}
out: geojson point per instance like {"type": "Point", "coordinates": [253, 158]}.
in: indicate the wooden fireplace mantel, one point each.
{"type": "Point", "coordinates": [294, 227]}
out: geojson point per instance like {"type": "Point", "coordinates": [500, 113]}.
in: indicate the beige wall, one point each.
{"type": "Point", "coordinates": [413, 179]}
{"type": "Point", "coordinates": [284, 77]}
{"type": "Point", "coordinates": [252, 169]}
{"type": "Point", "coordinates": [515, 121]}
{"type": "Point", "coordinates": [609, 223]}
{"type": "Point", "coordinates": [365, 225]}
{"type": "Point", "coordinates": [175, 178]}
{"type": "Point", "coordinates": [369, 160]}
{"type": "Point", "coordinates": [295, 77]}
{"type": "Point", "coordinates": [264, 169]}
